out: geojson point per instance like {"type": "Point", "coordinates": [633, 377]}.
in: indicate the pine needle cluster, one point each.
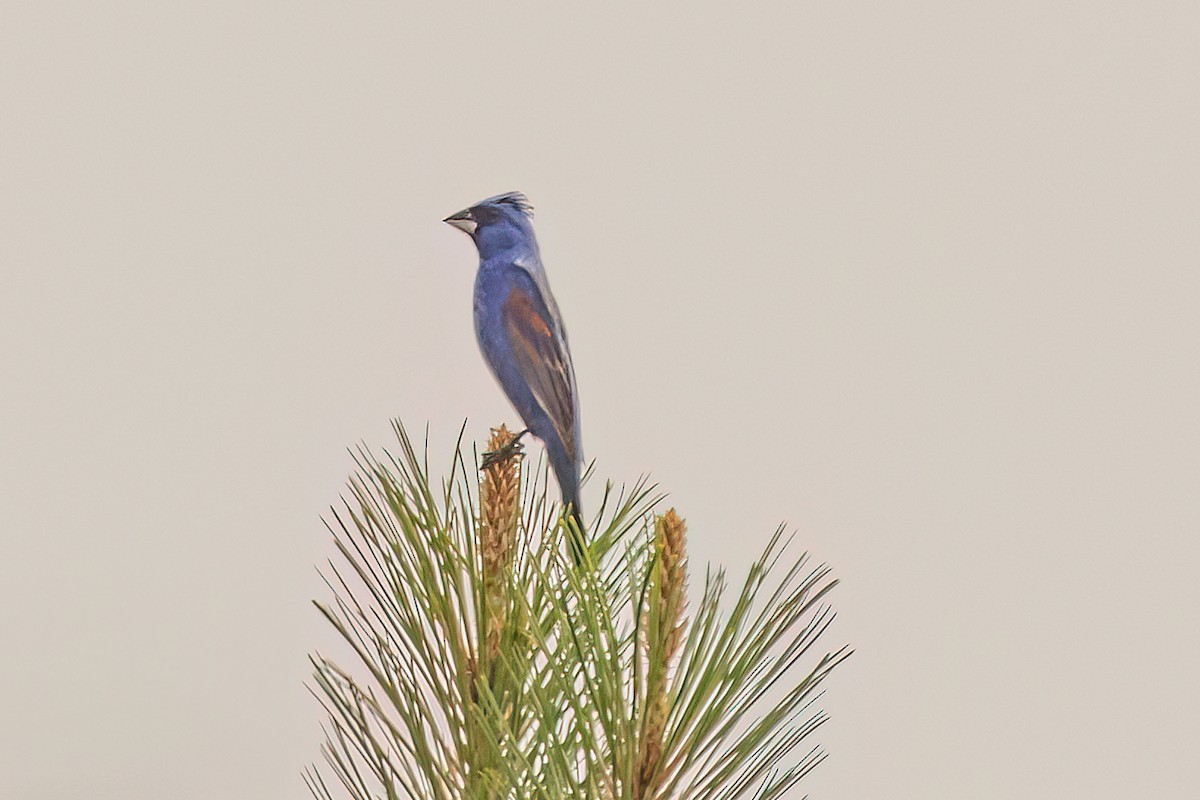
{"type": "Point", "coordinates": [488, 664]}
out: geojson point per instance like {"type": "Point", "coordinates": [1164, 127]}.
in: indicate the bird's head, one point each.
{"type": "Point", "coordinates": [510, 208]}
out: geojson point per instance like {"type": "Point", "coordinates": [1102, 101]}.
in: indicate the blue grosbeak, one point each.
{"type": "Point", "coordinates": [522, 337]}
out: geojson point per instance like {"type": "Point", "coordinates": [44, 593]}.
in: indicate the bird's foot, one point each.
{"type": "Point", "coordinates": [514, 447]}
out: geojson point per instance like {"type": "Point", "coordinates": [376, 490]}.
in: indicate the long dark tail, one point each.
{"type": "Point", "coordinates": [576, 535]}
{"type": "Point", "coordinates": [566, 470]}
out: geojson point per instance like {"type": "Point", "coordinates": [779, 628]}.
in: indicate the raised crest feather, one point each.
{"type": "Point", "coordinates": [515, 199]}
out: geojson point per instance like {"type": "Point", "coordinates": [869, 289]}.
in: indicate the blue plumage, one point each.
{"type": "Point", "coordinates": [521, 333]}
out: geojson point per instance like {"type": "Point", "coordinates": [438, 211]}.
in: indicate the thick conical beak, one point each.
{"type": "Point", "coordinates": [463, 221]}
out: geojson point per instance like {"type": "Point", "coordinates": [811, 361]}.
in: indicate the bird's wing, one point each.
{"type": "Point", "coordinates": [541, 355]}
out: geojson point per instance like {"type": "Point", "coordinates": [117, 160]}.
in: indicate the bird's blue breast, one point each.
{"type": "Point", "coordinates": [492, 285]}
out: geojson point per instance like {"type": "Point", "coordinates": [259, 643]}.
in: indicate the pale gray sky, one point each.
{"type": "Point", "coordinates": [920, 279]}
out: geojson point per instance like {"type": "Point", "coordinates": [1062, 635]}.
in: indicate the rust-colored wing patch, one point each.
{"type": "Point", "coordinates": [542, 362]}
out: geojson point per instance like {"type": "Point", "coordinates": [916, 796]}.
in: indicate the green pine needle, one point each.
{"type": "Point", "coordinates": [512, 673]}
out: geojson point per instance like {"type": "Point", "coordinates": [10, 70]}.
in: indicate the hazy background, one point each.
{"type": "Point", "coordinates": [919, 278]}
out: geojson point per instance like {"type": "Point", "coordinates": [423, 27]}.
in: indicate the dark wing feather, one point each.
{"type": "Point", "coordinates": [542, 359]}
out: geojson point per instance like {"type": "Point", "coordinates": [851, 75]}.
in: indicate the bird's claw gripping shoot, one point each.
{"type": "Point", "coordinates": [514, 447]}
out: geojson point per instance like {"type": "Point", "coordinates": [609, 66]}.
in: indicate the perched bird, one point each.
{"type": "Point", "coordinates": [521, 334]}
